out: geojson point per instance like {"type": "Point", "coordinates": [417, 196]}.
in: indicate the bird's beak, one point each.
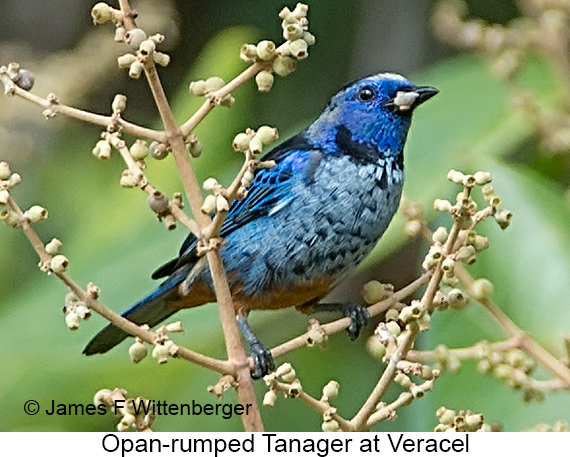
{"type": "Point", "coordinates": [407, 101]}
{"type": "Point", "coordinates": [424, 93]}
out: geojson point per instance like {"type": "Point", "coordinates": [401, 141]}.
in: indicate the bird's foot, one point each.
{"type": "Point", "coordinates": [359, 315]}
{"type": "Point", "coordinates": [263, 362]}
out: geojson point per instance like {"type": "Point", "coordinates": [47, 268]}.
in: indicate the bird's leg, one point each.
{"type": "Point", "coordinates": [358, 314]}
{"type": "Point", "coordinates": [263, 362]}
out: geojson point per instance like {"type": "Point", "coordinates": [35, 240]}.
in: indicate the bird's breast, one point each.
{"type": "Point", "coordinates": [327, 226]}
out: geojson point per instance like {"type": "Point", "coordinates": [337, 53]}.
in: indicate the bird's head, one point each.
{"type": "Point", "coordinates": [374, 112]}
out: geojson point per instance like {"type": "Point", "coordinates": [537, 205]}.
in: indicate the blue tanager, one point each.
{"type": "Point", "coordinates": [306, 222]}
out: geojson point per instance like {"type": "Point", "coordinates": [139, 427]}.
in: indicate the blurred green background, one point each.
{"type": "Point", "coordinates": [114, 241]}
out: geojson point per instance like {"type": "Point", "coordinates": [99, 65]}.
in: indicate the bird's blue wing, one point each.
{"type": "Point", "coordinates": [269, 189]}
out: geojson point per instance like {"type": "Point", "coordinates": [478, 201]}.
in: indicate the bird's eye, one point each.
{"type": "Point", "coordinates": [366, 94]}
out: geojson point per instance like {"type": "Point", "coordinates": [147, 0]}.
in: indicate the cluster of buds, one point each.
{"type": "Point", "coordinates": [224, 383]}
{"type": "Point", "coordinates": [12, 216]}
{"type": "Point", "coordinates": [287, 373]}
{"type": "Point", "coordinates": [136, 38]}
{"type": "Point", "coordinates": [465, 209]}
{"type": "Point", "coordinates": [21, 77]}
{"type": "Point", "coordinates": [136, 413]}
{"type": "Point", "coordinates": [145, 52]}
{"type": "Point", "coordinates": [254, 140]}
{"type": "Point", "coordinates": [291, 389]}
{"type": "Point", "coordinates": [465, 213]}
{"type": "Point", "coordinates": [506, 45]}
{"type": "Point", "coordinates": [450, 295]}
{"type": "Point", "coordinates": [502, 216]}
{"type": "Point", "coordinates": [216, 201]}
{"type": "Point", "coordinates": [414, 390]}
{"type": "Point", "coordinates": [209, 87]}
{"type": "Point", "coordinates": [7, 178]}
{"type": "Point", "coordinates": [281, 60]}
{"type": "Point", "coordinates": [163, 346]}
{"type": "Point", "coordinates": [389, 334]}
{"type": "Point", "coordinates": [132, 176]}
{"type": "Point", "coordinates": [424, 372]}
{"type": "Point", "coordinates": [33, 215]}
{"type": "Point", "coordinates": [552, 123]}
{"type": "Point", "coordinates": [162, 351]}
{"type": "Point", "coordinates": [513, 366]}
{"type": "Point", "coordinates": [464, 421]}
{"type": "Point", "coordinates": [75, 310]}
{"type": "Point", "coordinates": [140, 150]}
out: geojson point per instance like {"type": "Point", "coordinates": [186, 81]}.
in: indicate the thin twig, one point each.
{"type": "Point", "coordinates": [54, 108]}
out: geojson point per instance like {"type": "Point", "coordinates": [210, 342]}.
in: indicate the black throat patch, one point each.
{"type": "Point", "coordinates": [358, 151]}
{"type": "Point", "coordinates": [361, 152]}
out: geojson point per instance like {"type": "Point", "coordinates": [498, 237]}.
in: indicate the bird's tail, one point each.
{"type": "Point", "coordinates": [151, 309]}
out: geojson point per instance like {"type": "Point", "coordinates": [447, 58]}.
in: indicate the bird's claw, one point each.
{"type": "Point", "coordinates": [359, 317]}
{"type": "Point", "coordinates": [263, 362]}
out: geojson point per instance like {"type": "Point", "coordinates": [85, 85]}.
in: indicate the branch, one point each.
{"type": "Point", "coordinates": [53, 107]}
